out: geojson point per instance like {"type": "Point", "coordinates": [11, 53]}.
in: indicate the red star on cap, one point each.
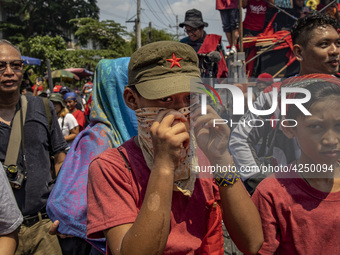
{"type": "Point", "coordinates": [174, 61]}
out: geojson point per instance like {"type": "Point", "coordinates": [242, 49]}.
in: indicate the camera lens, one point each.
{"type": "Point", "coordinates": [12, 172]}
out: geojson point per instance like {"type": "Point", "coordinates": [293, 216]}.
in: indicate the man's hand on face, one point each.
{"type": "Point", "coordinates": [213, 141]}
{"type": "Point", "coordinates": [170, 138]}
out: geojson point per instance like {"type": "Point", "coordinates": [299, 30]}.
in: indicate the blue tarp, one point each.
{"type": "Point", "coordinates": [31, 61]}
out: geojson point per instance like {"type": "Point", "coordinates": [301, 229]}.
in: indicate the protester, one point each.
{"type": "Point", "coordinates": [63, 90]}
{"type": "Point", "coordinates": [10, 217]}
{"type": "Point", "coordinates": [253, 23]}
{"type": "Point", "coordinates": [112, 123]}
{"type": "Point", "coordinates": [86, 92]}
{"type": "Point", "coordinates": [284, 21]}
{"type": "Point", "coordinates": [26, 85]}
{"type": "Point", "coordinates": [87, 110]}
{"type": "Point", "coordinates": [194, 27]}
{"type": "Point", "coordinates": [317, 47]}
{"type": "Point", "coordinates": [68, 123]}
{"type": "Point", "coordinates": [70, 99]}
{"type": "Point", "coordinates": [40, 140]}
{"type": "Point", "coordinates": [56, 88]}
{"type": "Point", "coordinates": [166, 210]}
{"type": "Point", "coordinates": [332, 10]}
{"type": "Point", "coordinates": [208, 47]}
{"type": "Point", "coordinates": [87, 88]}
{"type": "Point", "coordinates": [299, 207]}
{"type": "Point", "coordinates": [37, 86]}
{"type": "Point", "coordinates": [263, 81]}
{"type": "Point", "coordinates": [230, 16]}
{"type": "Point", "coordinates": [43, 94]}
{"type": "Point", "coordinates": [26, 90]}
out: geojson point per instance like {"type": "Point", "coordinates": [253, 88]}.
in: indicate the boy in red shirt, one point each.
{"type": "Point", "coordinates": [144, 196]}
{"type": "Point", "coordinates": [70, 99]}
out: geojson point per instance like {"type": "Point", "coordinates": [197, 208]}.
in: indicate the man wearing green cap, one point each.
{"type": "Point", "coordinates": [144, 196]}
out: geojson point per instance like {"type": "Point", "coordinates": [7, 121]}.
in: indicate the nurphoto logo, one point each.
{"type": "Point", "coordinates": [233, 99]}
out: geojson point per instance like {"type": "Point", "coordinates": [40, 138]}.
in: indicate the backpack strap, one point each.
{"type": "Point", "coordinates": [48, 113]}
{"type": "Point", "coordinates": [16, 137]}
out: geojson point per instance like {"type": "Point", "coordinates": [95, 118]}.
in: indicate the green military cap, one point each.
{"type": "Point", "coordinates": [56, 97]}
{"type": "Point", "coordinates": [164, 68]}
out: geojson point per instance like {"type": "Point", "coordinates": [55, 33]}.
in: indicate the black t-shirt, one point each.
{"type": "Point", "coordinates": [33, 195]}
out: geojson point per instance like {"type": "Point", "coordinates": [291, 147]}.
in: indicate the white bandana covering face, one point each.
{"type": "Point", "coordinates": [185, 174]}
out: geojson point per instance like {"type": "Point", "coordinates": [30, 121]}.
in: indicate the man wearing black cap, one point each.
{"type": "Point", "coordinates": [194, 27]}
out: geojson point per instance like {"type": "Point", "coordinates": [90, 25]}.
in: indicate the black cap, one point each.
{"type": "Point", "coordinates": [64, 89]}
{"type": "Point", "coordinates": [193, 18]}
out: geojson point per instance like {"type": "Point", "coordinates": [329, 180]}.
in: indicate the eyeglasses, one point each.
{"type": "Point", "coordinates": [16, 65]}
{"type": "Point", "coordinates": [190, 31]}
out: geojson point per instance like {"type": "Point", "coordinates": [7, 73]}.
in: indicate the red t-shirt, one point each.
{"type": "Point", "coordinates": [115, 196]}
{"type": "Point", "coordinates": [255, 15]}
{"type": "Point", "coordinates": [88, 105]}
{"type": "Point", "coordinates": [296, 218]}
{"type": "Point", "coordinates": [80, 117]}
{"type": "Point", "coordinates": [40, 88]}
{"type": "Point", "coordinates": [226, 4]}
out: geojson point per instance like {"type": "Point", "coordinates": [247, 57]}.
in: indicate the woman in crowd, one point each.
{"type": "Point", "coordinates": [68, 123]}
{"type": "Point", "coordinates": [112, 123]}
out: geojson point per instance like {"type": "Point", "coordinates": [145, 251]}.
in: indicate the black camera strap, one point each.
{"type": "Point", "coordinates": [17, 134]}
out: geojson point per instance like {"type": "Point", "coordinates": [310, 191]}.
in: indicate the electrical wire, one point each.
{"type": "Point", "coordinates": [164, 12]}
{"type": "Point", "coordinates": [171, 8]}
{"type": "Point", "coordinates": [154, 13]}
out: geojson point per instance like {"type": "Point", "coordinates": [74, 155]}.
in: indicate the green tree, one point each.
{"type": "Point", "coordinates": [155, 36]}
{"type": "Point", "coordinates": [87, 58]}
{"type": "Point", "coordinates": [28, 18]}
{"type": "Point", "coordinates": [107, 34]}
{"type": "Point", "coordinates": [45, 47]}
{"type": "Point", "coordinates": [54, 48]}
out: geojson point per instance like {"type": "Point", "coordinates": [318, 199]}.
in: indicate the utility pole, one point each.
{"type": "Point", "coordinates": [177, 28]}
{"type": "Point", "coordinates": [138, 30]}
{"type": "Point", "coordinates": [177, 32]}
{"type": "Point", "coordinates": [149, 33]}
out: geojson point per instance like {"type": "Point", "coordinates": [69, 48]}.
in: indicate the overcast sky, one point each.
{"type": "Point", "coordinates": [161, 13]}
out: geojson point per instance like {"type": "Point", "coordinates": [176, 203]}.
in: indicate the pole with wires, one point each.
{"type": "Point", "coordinates": [138, 29]}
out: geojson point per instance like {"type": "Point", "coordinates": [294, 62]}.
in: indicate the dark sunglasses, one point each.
{"type": "Point", "coordinates": [16, 65]}
{"type": "Point", "coordinates": [190, 31]}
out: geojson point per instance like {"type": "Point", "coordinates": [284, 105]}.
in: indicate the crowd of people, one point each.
{"type": "Point", "coordinates": [259, 13]}
{"type": "Point", "coordinates": [127, 179]}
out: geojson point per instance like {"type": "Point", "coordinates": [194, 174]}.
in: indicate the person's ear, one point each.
{"type": "Point", "coordinates": [130, 98]}
{"type": "Point", "coordinates": [288, 131]}
{"type": "Point", "coordinates": [298, 52]}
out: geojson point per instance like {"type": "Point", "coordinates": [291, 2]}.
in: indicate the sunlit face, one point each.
{"type": "Point", "coordinates": [319, 135]}
{"type": "Point", "coordinates": [10, 79]}
{"type": "Point", "coordinates": [321, 55]}
{"type": "Point", "coordinates": [71, 104]}
{"type": "Point", "coordinates": [194, 33]}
